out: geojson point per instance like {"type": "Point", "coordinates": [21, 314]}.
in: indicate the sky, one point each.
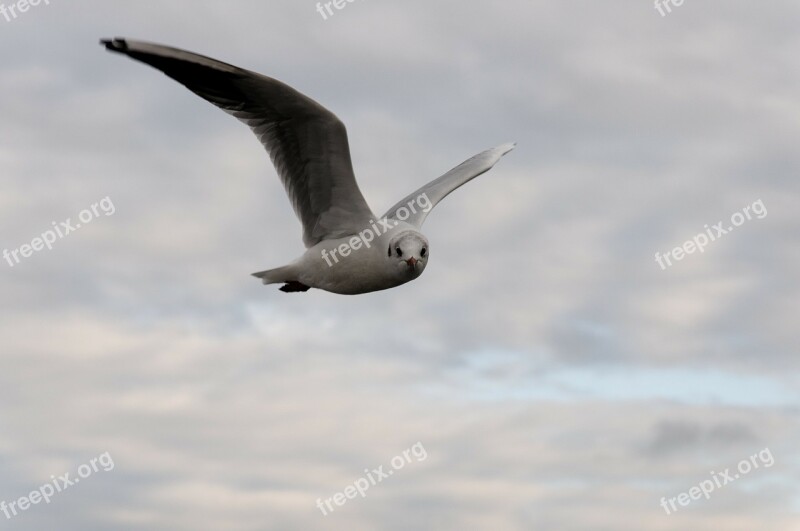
{"type": "Point", "coordinates": [566, 362]}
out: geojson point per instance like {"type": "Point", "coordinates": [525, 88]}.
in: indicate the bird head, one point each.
{"type": "Point", "coordinates": [408, 251]}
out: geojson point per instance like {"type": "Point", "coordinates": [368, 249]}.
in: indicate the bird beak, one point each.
{"type": "Point", "coordinates": [411, 261]}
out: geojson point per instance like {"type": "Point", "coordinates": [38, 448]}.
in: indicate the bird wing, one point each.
{"type": "Point", "coordinates": [306, 142]}
{"type": "Point", "coordinates": [438, 189]}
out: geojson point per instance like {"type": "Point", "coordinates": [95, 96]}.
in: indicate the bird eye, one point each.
{"type": "Point", "coordinates": [398, 251]}
{"type": "Point", "coordinates": [423, 251]}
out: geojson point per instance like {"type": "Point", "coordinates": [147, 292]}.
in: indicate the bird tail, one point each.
{"type": "Point", "coordinates": [285, 274]}
{"type": "Point", "coordinates": [274, 276]}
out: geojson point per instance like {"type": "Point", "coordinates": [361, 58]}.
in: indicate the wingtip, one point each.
{"type": "Point", "coordinates": [117, 44]}
{"type": "Point", "coordinates": [505, 148]}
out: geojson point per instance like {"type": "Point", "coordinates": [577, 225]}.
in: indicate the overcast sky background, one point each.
{"type": "Point", "coordinates": [557, 377]}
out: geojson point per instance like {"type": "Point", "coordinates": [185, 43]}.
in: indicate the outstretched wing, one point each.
{"type": "Point", "coordinates": [306, 142]}
{"type": "Point", "coordinates": [438, 189]}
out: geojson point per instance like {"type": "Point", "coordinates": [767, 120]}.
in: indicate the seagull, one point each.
{"type": "Point", "coordinates": [349, 250]}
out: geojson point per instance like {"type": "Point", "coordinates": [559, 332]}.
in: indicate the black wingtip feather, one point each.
{"type": "Point", "coordinates": [115, 45]}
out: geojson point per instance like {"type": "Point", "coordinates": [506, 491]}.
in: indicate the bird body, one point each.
{"type": "Point", "coordinates": [349, 249]}
{"type": "Point", "coordinates": [363, 270]}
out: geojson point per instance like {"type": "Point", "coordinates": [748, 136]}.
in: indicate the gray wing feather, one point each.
{"type": "Point", "coordinates": [438, 189]}
{"type": "Point", "coordinates": [306, 142]}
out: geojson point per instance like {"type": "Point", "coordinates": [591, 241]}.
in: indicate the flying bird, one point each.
{"type": "Point", "coordinates": [349, 250]}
